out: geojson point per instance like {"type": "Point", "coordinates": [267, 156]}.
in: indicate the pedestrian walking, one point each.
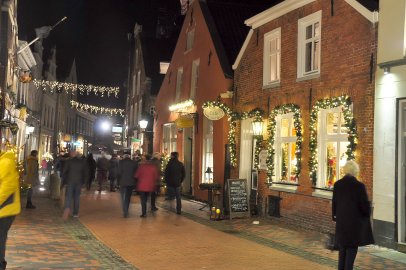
{"type": "Point", "coordinates": [44, 166]}
{"type": "Point", "coordinates": [351, 211]}
{"type": "Point", "coordinates": [92, 170]}
{"type": "Point", "coordinates": [113, 170]}
{"type": "Point", "coordinates": [156, 160]}
{"type": "Point", "coordinates": [75, 173]}
{"type": "Point", "coordinates": [174, 175]}
{"type": "Point", "coordinates": [102, 169]}
{"type": "Point", "coordinates": [49, 166]}
{"type": "Point", "coordinates": [31, 177]}
{"type": "Point", "coordinates": [146, 176]}
{"type": "Point", "coordinates": [126, 181]}
{"type": "Point", "coordinates": [10, 205]}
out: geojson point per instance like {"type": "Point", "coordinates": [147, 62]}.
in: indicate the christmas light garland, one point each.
{"type": "Point", "coordinates": [73, 87]}
{"type": "Point", "coordinates": [297, 122]}
{"type": "Point", "coordinates": [96, 109]}
{"type": "Point", "coordinates": [344, 102]}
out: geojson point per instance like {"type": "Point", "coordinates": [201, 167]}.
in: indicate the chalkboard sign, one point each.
{"type": "Point", "coordinates": [237, 191]}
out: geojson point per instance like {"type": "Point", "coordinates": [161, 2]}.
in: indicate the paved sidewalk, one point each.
{"type": "Point", "coordinates": [307, 244]}
{"type": "Point", "coordinates": [40, 239]}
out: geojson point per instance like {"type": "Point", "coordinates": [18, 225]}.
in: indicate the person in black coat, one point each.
{"type": "Point", "coordinates": [126, 180]}
{"type": "Point", "coordinates": [92, 170]}
{"type": "Point", "coordinates": [174, 175]}
{"type": "Point", "coordinates": [351, 211]}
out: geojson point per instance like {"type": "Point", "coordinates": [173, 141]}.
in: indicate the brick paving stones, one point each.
{"type": "Point", "coordinates": [102, 239]}
{"type": "Point", "coordinates": [39, 239]}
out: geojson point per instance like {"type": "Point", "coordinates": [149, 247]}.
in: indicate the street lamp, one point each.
{"type": "Point", "coordinates": [143, 124]}
{"type": "Point", "coordinates": [257, 126]}
{"type": "Point", "coordinates": [105, 125]}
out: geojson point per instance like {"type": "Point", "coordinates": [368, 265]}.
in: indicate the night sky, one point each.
{"type": "Point", "coordinates": [95, 34]}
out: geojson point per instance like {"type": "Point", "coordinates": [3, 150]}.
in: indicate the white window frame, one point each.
{"type": "Point", "coordinates": [267, 54]}
{"type": "Point", "coordinates": [322, 139]}
{"type": "Point", "coordinates": [190, 37]}
{"type": "Point", "coordinates": [138, 82]}
{"type": "Point", "coordinates": [208, 131]}
{"type": "Point", "coordinates": [169, 138]}
{"type": "Point", "coordinates": [278, 146]}
{"type": "Point", "coordinates": [134, 85]}
{"type": "Point", "coordinates": [195, 78]}
{"type": "Point", "coordinates": [301, 45]}
{"type": "Point", "coordinates": [179, 82]}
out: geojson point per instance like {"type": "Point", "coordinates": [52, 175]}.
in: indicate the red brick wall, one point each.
{"type": "Point", "coordinates": [211, 84]}
{"type": "Point", "coordinates": [347, 42]}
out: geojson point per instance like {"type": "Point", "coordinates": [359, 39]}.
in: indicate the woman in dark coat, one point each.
{"type": "Point", "coordinates": [351, 212]}
{"type": "Point", "coordinates": [92, 170]}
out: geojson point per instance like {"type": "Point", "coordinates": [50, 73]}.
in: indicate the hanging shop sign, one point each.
{"type": "Point", "coordinates": [213, 113]}
{"type": "Point", "coordinates": [67, 138]}
{"type": "Point", "coordinates": [184, 122]}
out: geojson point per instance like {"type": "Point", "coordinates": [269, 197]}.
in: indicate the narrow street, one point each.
{"type": "Point", "coordinates": [102, 239]}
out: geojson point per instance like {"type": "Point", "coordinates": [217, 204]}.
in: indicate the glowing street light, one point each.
{"type": "Point", "coordinates": [105, 125]}
{"type": "Point", "coordinates": [143, 124]}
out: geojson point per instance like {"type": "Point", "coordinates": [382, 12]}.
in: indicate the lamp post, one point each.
{"type": "Point", "coordinates": [209, 172]}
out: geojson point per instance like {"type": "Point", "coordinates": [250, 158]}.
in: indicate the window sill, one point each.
{"type": "Point", "coordinates": [325, 194]}
{"type": "Point", "coordinates": [271, 85]}
{"type": "Point", "coordinates": [308, 77]}
{"type": "Point", "coordinates": [185, 52]}
{"type": "Point", "coordinates": [283, 187]}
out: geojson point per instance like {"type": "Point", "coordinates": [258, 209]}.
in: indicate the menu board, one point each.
{"type": "Point", "coordinates": [238, 198]}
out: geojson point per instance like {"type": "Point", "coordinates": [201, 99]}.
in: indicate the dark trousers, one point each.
{"type": "Point", "coordinates": [112, 183]}
{"type": "Point", "coordinates": [89, 183]}
{"type": "Point", "coordinates": [29, 196]}
{"type": "Point", "coordinates": [101, 178]}
{"type": "Point", "coordinates": [144, 198]}
{"type": "Point", "coordinates": [5, 224]}
{"type": "Point", "coordinates": [175, 191]}
{"type": "Point", "coordinates": [73, 194]}
{"type": "Point", "coordinates": [126, 193]}
{"type": "Point", "coordinates": [153, 199]}
{"type": "Point", "coordinates": [346, 257]}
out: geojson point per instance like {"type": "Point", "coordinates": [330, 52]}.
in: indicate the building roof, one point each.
{"type": "Point", "coordinates": [371, 5]}
{"type": "Point", "coordinates": [225, 20]}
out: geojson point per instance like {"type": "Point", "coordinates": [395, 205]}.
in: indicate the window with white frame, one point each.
{"type": "Point", "coordinates": [135, 116]}
{"type": "Point", "coordinates": [332, 143]}
{"type": "Point", "coordinates": [285, 149]}
{"type": "Point", "coordinates": [136, 58]}
{"type": "Point", "coordinates": [272, 57]}
{"type": "Point", "coordinates": [309, 36]}
{"type": "Point", "coordinates": [134, 84]}
{"type": "Point", "coordinates": [138, 82]}
{"type": "Point", "coordinates": [169, 138]}
{"type": "Point", "coordinates": [179, 79]}
{"type": "Point", "coordinates": [207, 150]}
{"type": "Point", "coordinates": [195, 79]}
{"type": "Point", "coordinates": [190, 39]}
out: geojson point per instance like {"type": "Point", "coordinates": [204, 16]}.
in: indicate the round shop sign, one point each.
{"type": "Point", "coordinates": [213, 113]}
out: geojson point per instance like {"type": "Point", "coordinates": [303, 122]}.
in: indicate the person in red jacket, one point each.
{"type": "Point", "coordinates": [146, 175]}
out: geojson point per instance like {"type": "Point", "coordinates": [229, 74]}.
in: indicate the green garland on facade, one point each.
{"type": "Point", "coordinates": [232, 118]}
{"type": "Point", "coordinates": [344, 102]}
{"type": "Point", "coordinates": [297, 122]}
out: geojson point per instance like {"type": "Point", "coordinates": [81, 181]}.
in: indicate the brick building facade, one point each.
{"type": "Point", "coordinates": [318, 61]}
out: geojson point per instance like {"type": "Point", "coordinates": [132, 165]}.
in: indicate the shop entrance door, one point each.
{"type": "Point", "coordinates": [187, 185]}
{"type": "Point", "coordinates": [401, 196]}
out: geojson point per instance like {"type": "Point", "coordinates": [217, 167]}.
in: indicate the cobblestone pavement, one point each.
{"type": "Point", "coordinates": [40, 239]}
{"type": "Point", "coordinates": [285, 237]}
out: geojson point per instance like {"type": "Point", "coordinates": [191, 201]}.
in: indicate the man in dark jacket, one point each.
{"type": "Point", "coordinates": [126, 181]}
{"type": "Point", "coordinates": [351, 212]}
{"type": "Point", "coordinates": [102, 169]}
{"type": "Point", "coordinates": [92, 170]}
{"type": "Point", "coordinates": [113, 169]}
{"type": "Point", "coordinates": [174, 175]}
{"type": "Point", "coordinates": [75, 173]}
